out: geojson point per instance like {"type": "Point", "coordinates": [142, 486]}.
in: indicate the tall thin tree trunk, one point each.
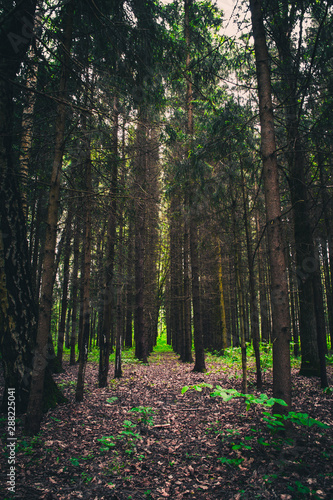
{"type": "Point", "coordinates": [320, 321]}
{"type": "Point", "coordinates": [105, 334]}
{"type": "Point", "coordinates": [64, 301]}
{"type": "Point", "coordinates": [129, 287]}
{"type": "Point", "coordinates": [140, 329]}
{"type": "Point", "coordinates": [27, 135]}
{"type": "Point", "coordinates": [279, 288]}
{"type": "Point", "coordinates": [240, 296]}
{"type": "Point", "coordinates": [86, 277]}
{"type": "Point", "coordinates": [75, 286]}
{"type": "Point", "coordinates": [221, 300]}
{"type": "Point", "coordinates": [186, 313]}
{"type": "Point", "coordinates": [199, 365]}
{"type": "Point", "coordinates": [34, 412]}
{"type": "Point", "coordinates": [254, 313]}
{"type": "Point", "coordinates": [119, 316]}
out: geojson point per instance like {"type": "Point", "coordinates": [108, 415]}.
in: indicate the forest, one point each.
{"type": "Point", "coordinates": [166, 249]}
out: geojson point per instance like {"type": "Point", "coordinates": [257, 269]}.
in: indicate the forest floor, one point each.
{"type": "Point", "coordinates": [177, 446]}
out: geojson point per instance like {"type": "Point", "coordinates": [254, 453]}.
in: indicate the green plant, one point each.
{"type": "Point", "coordinates": [107, 443]}
{"type": "Point", "coordinates": [129, 436]}
{"type": "Point", "coordinates": [113, 399]}
{"type": "Point", "coordinates": [263, 399]}
{"type": "Point", "coordinates": [90, 456]}
{"type": "Point", "coordinates": [74, 461]}
{"type": "Point", "coordinates": [231, 461]}
{"type": "Point", "coordinates": [269, 478]}
{"type": "Point", "coordinates": [196, 387]}
{"type": "Point", "coordinates": [145, 415]}
{"type": "Point", "coordinates": [55, 419]}
{"type": "Point", "coordinates": [86, 478]}
{"type": "Point", "coordinates": [28, 445]}
{"type": "Point", "coordinates": [329, 359]}
{"type": "Point", "coordinates": [228, 394]}
{"type": "Point", "coordinates": [301, 491]}
{"type": "Point", "coordinates": [277, 422]}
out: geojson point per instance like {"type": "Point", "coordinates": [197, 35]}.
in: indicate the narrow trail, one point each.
{"type": "Point", "coordinates": [195, 446]}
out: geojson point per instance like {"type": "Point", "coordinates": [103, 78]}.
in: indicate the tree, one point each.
{"type": "Point", "coordinates": [34, 412]}
{"type": "Point", "coordinates": [18, 313]}
{"type": "Point", "coordinates": [279, 289]}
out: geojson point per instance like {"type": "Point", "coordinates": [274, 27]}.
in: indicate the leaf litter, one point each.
{"type": "Point", "coordinates": [173, 445]}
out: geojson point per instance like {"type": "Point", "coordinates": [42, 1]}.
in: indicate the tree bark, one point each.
{"type": "Point", "coordinates": [141, 347]}
{"type": "Point", "coordinates": [34, 413]}
{"type": "Point", "coordinates": [86, 276]}
{"type": "Point", "coordinates": [75, 287]}
{"type": "Point", "coordinates": [279, 288]}
{"type": "Point", "coordinates": [186, 348]}
{"type": "Point", "coordinates": [119, 316]}
{"type": "Point", "coordinates": [199, 365]}
{"type": "Point", "coordinates": [64, 300]}
{"type": "Point", "coordinates": [105, 334]}
{"type": "Point", "coordinates": [254, 313]}
{"type": "Point", "coordinates": [224, 336]}
{"type": "Point", "coordinates": [18, 312]}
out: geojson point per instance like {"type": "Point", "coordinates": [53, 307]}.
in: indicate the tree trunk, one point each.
{"type": "Point", "coordinates": [186, 348]}
{"type": "Point", "coordinates": [129, 287]}
{"type": "Point", "coordinates": [18, 320]}
{"type": "Point", "coordinates": [119, 316]}
{"type": "Point", "coordinates": [307, 266]}
{"type": "Point", "coordinates": [75, 286]}
{"type": "Point", "coordinates": [141, 347]}
{"type": "Point", "coordinates": [18, 312]}
{"type": "Point", "coordinates": [240, 295]}
{"type": "Point", "coordinates": [105, 334]}
{"type": "Point", "coordinates": [34, 413]}
{"type": "Point", "coordinates": [86, 276]}
{"type": "Point", "coordinates": [199, 365]}
{"type": "Point", "coordinates": [320, 321]}
{"type": "Point", "coordinates": [279, 288]}
{"type": "Point", "coordinates": [64, 301]}
{"type": "Point", "coordinates": [221, 301]}
{"type": "Point", "coordinates": [254, 313]}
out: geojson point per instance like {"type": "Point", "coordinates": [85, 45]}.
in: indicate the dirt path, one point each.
{"type": "Point", "coordinates": [194, 447]}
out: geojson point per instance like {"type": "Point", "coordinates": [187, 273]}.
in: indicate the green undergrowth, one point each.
{"type": "Point", "coordinates": [127, 354]}
{"type": "Point", "coordinates": [232, 358]}
{"type": "Point", "coordinates": [127, 440]}
{"type": "Point", "coordinates": [274, 433]}
{"type": "Point", "coordinates": [229, 361]}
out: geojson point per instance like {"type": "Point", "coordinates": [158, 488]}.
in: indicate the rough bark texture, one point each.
{"type": "Point", "coordinates": [18, 313]}
{"type": "Point", "coordinates": [307, 270]}
{"type": "Point", "coordinates": [34, 413]}
{"type": "Point", "coordinates": [279, 288]}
